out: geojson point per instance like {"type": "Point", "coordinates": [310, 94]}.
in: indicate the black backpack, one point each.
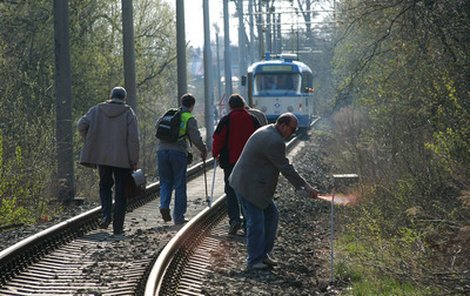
{"type": "Point", "coordinates": [168, 126]}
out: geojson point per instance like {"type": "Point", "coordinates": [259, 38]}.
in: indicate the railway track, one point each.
{"type": "Point", "coordinates": [76, 258]}
{"type": "Point", "coordinates": [181, 268]}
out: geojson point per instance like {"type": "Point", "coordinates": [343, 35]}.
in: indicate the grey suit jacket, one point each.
{"type": "Point", "coordinates": [256, 172]}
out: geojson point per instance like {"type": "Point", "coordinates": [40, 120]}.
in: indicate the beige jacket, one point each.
{"type": "Point", "coordinates": [256, 172]}
{"type": "Point", "coordinates": [111, 135]}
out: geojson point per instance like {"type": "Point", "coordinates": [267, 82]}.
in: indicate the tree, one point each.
{"type": "Point", "coordinates": [403, 71]}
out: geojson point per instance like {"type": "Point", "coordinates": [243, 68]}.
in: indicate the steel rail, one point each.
{"type": "Point", "coordinates": [164, 277]}
{"type": "Point", "coordinates": [20, 255]}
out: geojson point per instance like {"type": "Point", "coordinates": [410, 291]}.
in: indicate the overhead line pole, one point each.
{"type": "Point", "coordinates": [63, 93]}
{"type": "Point", "coordinates": [180, 50]}
{"type": "Point", "coordinates": [208, 88]}
{"type": "Point", "coordinates": [129, 52]}
{"type": "Point", "coordinates": [260, 30]}
{"type": "Point", "coordinates": [241, 47]}
{"type": "Point", "coordinates": [227, 53]}
{"type": "Point", "coordinates": [252, 32]}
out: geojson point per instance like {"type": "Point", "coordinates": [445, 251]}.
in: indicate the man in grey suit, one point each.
{"type": "Point", "coordinates": [254, 178]}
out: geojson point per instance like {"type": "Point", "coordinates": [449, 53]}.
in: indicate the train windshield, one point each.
{"type": "Point", "coordinates": [276, 83]}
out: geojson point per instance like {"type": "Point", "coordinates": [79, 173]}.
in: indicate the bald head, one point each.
{"type": "Point", "coordinates": [286, 124]}
{"type": "Point", "coordinates": [288, 119]}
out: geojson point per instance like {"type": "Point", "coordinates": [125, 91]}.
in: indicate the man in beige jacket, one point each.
{"type": "Point", "coordinates": [111, 138]}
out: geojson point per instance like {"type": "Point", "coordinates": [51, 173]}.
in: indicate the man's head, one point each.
{"type": "Point", "coordinates": [188, 101]}
{"type": "Point", "coordinates": [286, 124]}
{"type": "Point", "coordinates": [118, 94]}
{"type": "Point", "coordinates": [236, 101]}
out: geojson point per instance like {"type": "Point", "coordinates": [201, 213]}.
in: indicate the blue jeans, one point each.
{"type": "Point", "coordinates": [172, 167]}
{"type": "Point", "coordinates": [261, 225]}
{"type": "Point", "coordinates": [233, 204]}
{"type": "Point", "coordinates": [106, 195]}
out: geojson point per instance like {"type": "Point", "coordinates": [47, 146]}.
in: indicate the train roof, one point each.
{"type": "Point", "coordinates": [280, 61]}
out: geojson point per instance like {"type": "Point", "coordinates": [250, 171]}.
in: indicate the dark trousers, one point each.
{"type": "Point", "coordinates": [110, 176]}
{"type": "Point", "coordinates": [233, 205]}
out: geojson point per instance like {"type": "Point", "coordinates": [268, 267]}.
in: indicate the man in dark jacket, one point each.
{"type": "Point", "coordinates": [111, 138]}
{"type": "Point", "coordinates": [229, 138]}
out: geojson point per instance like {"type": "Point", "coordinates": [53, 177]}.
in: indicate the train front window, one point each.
{"type": "Point", "coordinates": [277, 83]}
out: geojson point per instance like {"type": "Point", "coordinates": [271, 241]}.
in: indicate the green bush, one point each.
{"type": "Point", "coordinates": [20, 190]}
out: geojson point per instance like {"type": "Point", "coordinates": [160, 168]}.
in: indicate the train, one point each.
{"type": "Point", "coordinates": [280, 84]}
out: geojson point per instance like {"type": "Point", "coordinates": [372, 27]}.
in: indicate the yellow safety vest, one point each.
{"type": "Point", "coordinates": [185, 116]}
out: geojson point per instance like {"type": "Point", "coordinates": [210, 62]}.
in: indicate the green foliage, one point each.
{"type": "Point", "coordinates": [17, 190]}
{"type": "Point", "coordinates": [12, 213]}
{"type": "Point", "coordinates": [402, 123]}
{"type": "Point", "coordinates": [365, 266]}
{"type": "Point", "coordinates": [386, 287]}
{"type": "Point", "coordinates": [27, 73]}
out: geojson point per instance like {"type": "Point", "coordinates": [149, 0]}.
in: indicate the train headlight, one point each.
{"type": "Point", "coordinates": [264, 108]}
{"type": "Point", "coordinates": [290, 108]}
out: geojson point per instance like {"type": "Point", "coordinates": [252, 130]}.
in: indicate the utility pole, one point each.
{"type": "Point", "coordinates": [63, 93]}
{"type": "Point", "coordinates": [180, 50]}
{"type": "Point", "coordinates": [268, 28]}
{"type": "Point", "coordinates": [274, 31]}
{"type": "Point", "coordinates": [208, 89]}
{"type": "Point", "coordinates": [129, 52]}
{"type": "Point", "coordinates": [260, 30]}
{"type": "Point", "coordinates": [241, 47]}
{"type": "Point", "coordinates": [227, 54]}
{"type": "Point", "coordinates": [279, 34]}
{"type": "Point", "coordinates": [217, 51]}
{"type": "Point", "coordinates": [251, 44]}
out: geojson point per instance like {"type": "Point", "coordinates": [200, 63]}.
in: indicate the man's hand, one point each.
{"type": "Point", "coordinates": [204, 155]}
{"type": "Point", "coordinates": [312, 191]}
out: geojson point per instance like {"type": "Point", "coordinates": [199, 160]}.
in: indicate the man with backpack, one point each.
{"type": "Point", "coordinates": [229, 138]}
{"type": "Point", "coordinates": [172, 156]}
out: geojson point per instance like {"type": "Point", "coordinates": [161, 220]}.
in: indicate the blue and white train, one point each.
{"type": "Point", "coordinates": [280, 85]}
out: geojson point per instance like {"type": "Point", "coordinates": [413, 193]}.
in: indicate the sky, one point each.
{"type": "Point", "coordinates": [194, 25]}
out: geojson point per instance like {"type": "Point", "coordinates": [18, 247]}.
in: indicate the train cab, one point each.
{"type": "Point", "coordinates": [280, 85]}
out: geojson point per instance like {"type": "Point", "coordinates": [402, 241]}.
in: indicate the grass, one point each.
{"type": "Point", "coordinates": [356, 267]}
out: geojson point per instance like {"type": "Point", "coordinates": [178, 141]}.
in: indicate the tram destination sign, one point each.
{"type": "Point", "coordinates": [276, 68]}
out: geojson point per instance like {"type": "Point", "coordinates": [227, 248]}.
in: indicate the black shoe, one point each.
{"type": "Point", "coordinates": [259, 266]}
{"type": "Point", "coordinates": [270, 261]}
{"type": "Point", "coordinates": [165, 215]}
{"type": "Point", "coordinates": [104, 223]}
{"type": "Point", "coordinates": [184, 221]}
{"type": "Point", "coordinates": [234, 228]}
{"type": "Point", "coordinates": [118, 232]}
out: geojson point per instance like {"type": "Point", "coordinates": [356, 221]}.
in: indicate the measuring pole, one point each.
{"type": "Point", "coordinates": [332, 221]}
{"type": "Point", "coordinates": [332, 238]}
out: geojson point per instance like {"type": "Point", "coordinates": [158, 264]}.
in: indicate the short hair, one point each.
{"type": "Point", "coordinates": [236, 101]}
{"type": "Point", "coordinates": [119, 93]}
{"type": "Point", "coordinates": [188, 100]}
{"type": "Point", "coordinates": [286, 118]}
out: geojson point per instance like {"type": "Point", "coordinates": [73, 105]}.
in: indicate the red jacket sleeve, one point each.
{"type": "Point", "coordinates": [219, 138]}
